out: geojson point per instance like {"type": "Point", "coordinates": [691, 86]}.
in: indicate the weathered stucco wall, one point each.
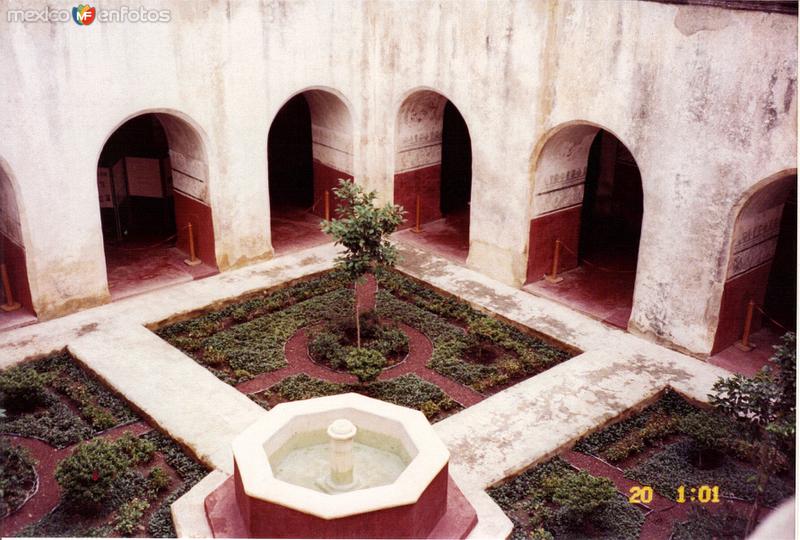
{"type": "Point", "coordinates": [704, 98]}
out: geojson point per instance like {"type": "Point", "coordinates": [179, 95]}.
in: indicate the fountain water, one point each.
{"type": "Point", "coordinates": [343, 466]}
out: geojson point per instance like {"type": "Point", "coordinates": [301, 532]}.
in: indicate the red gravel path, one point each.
{"type": "Point", "coordinates": [664, 513]}
{"type": "Point", "coordinates": [48, 493]}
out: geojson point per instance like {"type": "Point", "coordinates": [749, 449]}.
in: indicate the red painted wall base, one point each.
{"type": "Point", "coordinates": [752, 285]}
{"type": "Point", "coordinates": [564, 225]}
{"type": "Point", "coordinates": [189, 210]}
{"type": "Point", "coordinates": [326, 178]}
{"type": "Point", "coordinates": [424, 182]}
{"type": "Point", "coordinates": [231, 514]}
{"type": "Point", "coordinates": [17, 268]}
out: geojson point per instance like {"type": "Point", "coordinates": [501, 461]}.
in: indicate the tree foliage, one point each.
{"type": "Point", "coordinates": [362, 229]}
{"type": "Point", "coordinates": [765, 406]}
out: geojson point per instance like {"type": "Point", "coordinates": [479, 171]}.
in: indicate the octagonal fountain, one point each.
{"type": "Point", "coordinates": [344, 466]}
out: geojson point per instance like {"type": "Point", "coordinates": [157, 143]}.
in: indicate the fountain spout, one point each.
{"type": "Point", "coordinates": [341, 433]}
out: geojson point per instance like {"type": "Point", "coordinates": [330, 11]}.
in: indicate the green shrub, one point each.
{"type": "Point", "coordinates": [366, 364]}
{"type": "Point", "coordinates": [390, 341]}
{"type": "Point", "coordinates": [158, 479]}
{"type": "Point", "coordinates": [325, 346]}
{"type": "Point", "coordinates": [136, 449]}
{"type": "Point", "coordinates": [22, 387]}
{"type": "Point", "coordinates": [429, 408]}
{"type": "Point", "coordinates": [100, 418]}
{"type": "Point", "coordinates": [580, 494]}
{"type": "Point", "coordinates": [707, 430]}
{"type": "Point", "coordinates": [87, 476]}
{"type": "Point", "coordinates": [540, 534]}
{"type": "Point", "coordinates": [129, 515]}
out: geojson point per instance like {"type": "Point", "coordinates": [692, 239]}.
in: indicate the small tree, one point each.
{"type": "Point", "coordinates": [765, 406]}
{"type": "Point", "coordinates": [362, 229]}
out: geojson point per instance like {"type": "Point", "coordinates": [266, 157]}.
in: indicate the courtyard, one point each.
{"type": "Point", "coordinates": [596, 375]}
{"type": "Point", "coordinates": [577, 225]}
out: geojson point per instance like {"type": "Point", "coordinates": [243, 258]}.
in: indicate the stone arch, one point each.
{"type": "Point", "coordinates": [130, 172]}
{"type": "Point", "coordinates": [762, 256]}
{"type": "Point", "coordinates": [433, 169]}
{"type": "Point", "coordinates": [13, 254]}
{"type": "Point", "coordinates": [586, 193]}
{"type": "Point", "coordinates": [309, 148]}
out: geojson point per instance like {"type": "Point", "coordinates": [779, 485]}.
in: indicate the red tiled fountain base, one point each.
{"type": "Point", "coordinates": [442, 511]}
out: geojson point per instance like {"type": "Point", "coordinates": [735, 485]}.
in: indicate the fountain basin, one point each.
{"type": "Point", "coordinates": [422, 501]}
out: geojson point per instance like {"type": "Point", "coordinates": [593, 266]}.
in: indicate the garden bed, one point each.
{"type": "Point", "coordinates": [246, 339]}
{"type": "Point", "coordinates": [669, 444]}
{"type": "Point", "coordinates": [99, 469]}
{"type": "Point", "coordinates": [407, 390]}
{"type": "Point", "coordinates": [683, 445]}
{"type": "Point", "coordinates": [554, 500]}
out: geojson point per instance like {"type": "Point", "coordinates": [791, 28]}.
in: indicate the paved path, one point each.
{"type": "Point", "coordinates": [501, 435]}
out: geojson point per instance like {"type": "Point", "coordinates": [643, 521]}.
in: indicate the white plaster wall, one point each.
{"type": "Point", "coordinates": [704, 98]}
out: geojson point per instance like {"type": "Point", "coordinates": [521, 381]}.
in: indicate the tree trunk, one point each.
{"type": "Point", "coordinates": [358, 319]}
{"type": "Point", "coordinates": [761, 485]}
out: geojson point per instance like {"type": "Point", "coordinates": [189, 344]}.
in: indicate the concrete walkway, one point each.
{"type": "Point", "coordinates": [499, 436]}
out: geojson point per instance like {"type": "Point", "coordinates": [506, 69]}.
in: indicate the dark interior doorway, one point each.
{"type": "Point", "coordinates": [144, 212]}
{"type": "Point", "coordinates": [599, 236]}
{"type": "Point", "coordinates": [289, 158]}
{"type": "Point", "coordinates": [611, 215]}
{"type": "Point", "coordinates": [780, 300]}
{"type": "Point", "coordinates": [442, 187]}
{"type": "Point", "coordinates": [456, 179]}
{"type": "Point", "coordinates": [145, 219]}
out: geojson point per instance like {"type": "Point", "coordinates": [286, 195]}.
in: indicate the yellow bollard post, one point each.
{"type": "Point", "coordinates": [10, 304]}
{"type": "Point", "coordinates": [553, 277]}
{"type": "Point", "coordinates": [417, 228]}
{"type": "Point", "coordinates": [327, 205]}
{"type": "Point", "coordinates": [192, 260]}
{"type": "Point", "coordinates": [744, 344]}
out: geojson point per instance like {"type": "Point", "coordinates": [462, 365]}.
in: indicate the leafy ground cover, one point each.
{"type": "Point", "coordinates": [470, 347]}
{"type": "Point", "coordinates": [669, 444]}
{"type": "Point", "coordinates": [673, 443]}
{"type": "Point", "coordinates": [55, 401]}
{"type": "Point", "coordinates": [246, 339]}
{"type": "Point", "coordinates": [553, 500]}
{"type": "Point", "coordinates": [106, 473]}
{"type": "Point", "coordinates": [17, 477]}
{"type": "Point", "coordinates": [406, 390]}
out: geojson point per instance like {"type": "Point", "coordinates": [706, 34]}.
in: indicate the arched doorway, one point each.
{"type": "Point", "coordinates": [433, 174]}
{"type": "Point", "coordinates": [16, 305]}
{"type": "Point", "coordinates": [309, 148]}
{"type": "Point", "coordinates": [763, 269]}
{"type": "Point", "coordinates": [588, 198]}
{"type": "Point", "coordinates": [152, 179]}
